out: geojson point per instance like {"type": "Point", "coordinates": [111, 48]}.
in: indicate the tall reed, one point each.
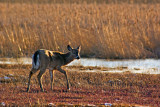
{"type": "Point", "coordinates": [103, 31]}
{"type": "Point", "coordinates": [82, 1]}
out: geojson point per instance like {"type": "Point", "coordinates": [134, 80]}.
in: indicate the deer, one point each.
{"type": "Point", "coordinates": [44, 59]}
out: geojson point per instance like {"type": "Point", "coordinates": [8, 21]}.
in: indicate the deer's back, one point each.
{"type": "Point", "coordinates": [50, 58]}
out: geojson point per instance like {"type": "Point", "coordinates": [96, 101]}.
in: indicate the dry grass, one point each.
{"type": "Point", "coordinates": [83, 1]}
{"type": "Point", "coordinates": [86, 88]}
{"type": "Point", "coordinates": [103, 31]}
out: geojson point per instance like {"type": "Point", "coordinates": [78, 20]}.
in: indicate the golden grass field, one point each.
{"type": "Point", "coordinates": [103, 30]}
{"type": "Point", "coordinates": [83, 1]}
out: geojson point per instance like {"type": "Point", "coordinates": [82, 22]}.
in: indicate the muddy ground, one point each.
{"type": "Point", "coordinates": [87, 88]}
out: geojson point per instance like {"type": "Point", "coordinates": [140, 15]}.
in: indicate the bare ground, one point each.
{"type": "Point", "coordinates": [87, 88]}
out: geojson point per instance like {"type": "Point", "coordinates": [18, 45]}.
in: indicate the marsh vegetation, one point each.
{"type": "Point", "coordinates": [103, 30]}
{"type": "Point", "coordinates": [94, 88]}
{"type": "Point", "coordinates": [109, 29]}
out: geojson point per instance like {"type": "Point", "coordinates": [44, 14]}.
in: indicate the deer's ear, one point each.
{"type": "Point", "coordinates": [69, 48]}
{"type": "Point", "coordinates": [79, 47]}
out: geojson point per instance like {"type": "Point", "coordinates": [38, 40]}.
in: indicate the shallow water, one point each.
{"type": "Point", "coordinates": [15, 61]}
{"type": "Point", "coordinates": [149, 66]}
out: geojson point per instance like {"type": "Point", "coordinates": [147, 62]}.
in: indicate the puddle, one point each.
{"type": "Point", "coordinates": [149, 66]}
{"type": "Point", "coordinates": [15, 60]}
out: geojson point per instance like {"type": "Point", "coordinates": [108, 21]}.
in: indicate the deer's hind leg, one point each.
{"type": "Point", "coordinates": [30, 75]}
{"type": "Point", "coordinates": [39, 76]}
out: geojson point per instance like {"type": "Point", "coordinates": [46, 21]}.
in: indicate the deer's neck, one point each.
{"type": "Point", "coordinates": [68, 57]}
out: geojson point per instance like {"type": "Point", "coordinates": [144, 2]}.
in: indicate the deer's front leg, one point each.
{"type": "Point", "coordinates": [64, 72]}
{"type": "Point", "coordinates": [52, 78]}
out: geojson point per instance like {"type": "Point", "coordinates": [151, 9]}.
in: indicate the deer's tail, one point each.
{"type": "Point", "coordinates": [35, 60]}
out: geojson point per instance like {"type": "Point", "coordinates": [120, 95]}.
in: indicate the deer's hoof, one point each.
{"type": "Point", "coordinates": [27, 90]}
{"type": "Point", "coordinates": [68, 89]}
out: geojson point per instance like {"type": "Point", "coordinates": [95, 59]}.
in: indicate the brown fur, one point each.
{"type": "Point", "coordinates": [52, 60]}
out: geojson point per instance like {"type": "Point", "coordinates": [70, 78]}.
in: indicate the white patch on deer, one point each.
{"type": "Point", "coordinates": [35, 66]}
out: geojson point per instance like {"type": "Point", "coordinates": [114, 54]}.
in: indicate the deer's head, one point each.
{"type": "Point", "coordinates": [75, 52]}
